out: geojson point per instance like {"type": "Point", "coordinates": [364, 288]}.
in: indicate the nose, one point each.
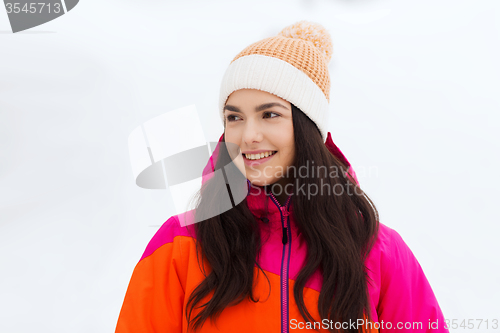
{"type": "Point", "coordinates": [252, 133]}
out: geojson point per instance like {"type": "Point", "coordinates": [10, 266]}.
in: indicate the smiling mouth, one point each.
{"type": "Point", "coordinates": [257, 157]}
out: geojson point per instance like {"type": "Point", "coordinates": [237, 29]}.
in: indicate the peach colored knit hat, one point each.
{"type": "Point", "coordinates": [292, 65]}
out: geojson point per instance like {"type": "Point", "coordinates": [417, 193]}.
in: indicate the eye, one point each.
{"type": "Point", "coordinates": [270, 113]}
{"type": "Point", "coordinates": [231, 117]}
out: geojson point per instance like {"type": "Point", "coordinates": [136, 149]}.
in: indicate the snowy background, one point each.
{"type": "Point", "coordinates": [415, 108]}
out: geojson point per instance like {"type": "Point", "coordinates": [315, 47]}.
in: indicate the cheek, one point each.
{"type": "Point", "coordinates": [233, 136]}
{"type": "Point", "coordinates": [232, 143]}
{"type": "Point", "coordinates": [288, 147]}
{"type": "Point", "coordinates": [288, 157]}
{"type": "Point", "coordinates": [228, 136]}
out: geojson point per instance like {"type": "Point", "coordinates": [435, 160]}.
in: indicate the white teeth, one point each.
{"type": "Point", "coordinates": [259, 156]}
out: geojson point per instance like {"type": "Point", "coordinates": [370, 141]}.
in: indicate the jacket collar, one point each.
{"type": "Point", "coordinates": [262, 202]}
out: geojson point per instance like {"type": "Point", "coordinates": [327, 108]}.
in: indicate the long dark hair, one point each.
{"type": "Point", "coordinates": [339, 231]}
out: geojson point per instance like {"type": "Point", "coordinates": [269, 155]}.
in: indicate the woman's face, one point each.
{"type": "Point", "coordinates": [260, 123]}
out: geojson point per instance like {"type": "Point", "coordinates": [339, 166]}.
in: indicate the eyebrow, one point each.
{"type": "Point", "coordinates": [257, 109]}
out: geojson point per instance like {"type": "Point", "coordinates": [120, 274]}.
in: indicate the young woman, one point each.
{"type": "Point", "coordinates": [302, 248]}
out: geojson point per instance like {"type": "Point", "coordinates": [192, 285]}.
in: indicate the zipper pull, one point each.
{"type": "Point", "coordinates": [284, 211]}
{"type": "Point", "coordinates": [285, 236]}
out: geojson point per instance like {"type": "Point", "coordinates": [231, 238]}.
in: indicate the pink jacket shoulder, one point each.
{"type": "Point", "coordinates": [401, 296]}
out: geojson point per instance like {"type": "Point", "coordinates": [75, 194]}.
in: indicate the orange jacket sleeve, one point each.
{"type": "Point", "coordinates": [154, 298]}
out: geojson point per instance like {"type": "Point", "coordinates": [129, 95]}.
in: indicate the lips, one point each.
{"type": "Point", "coordinates": [257, 162]}
{"type": "Point", "coordinates": [260, 154]}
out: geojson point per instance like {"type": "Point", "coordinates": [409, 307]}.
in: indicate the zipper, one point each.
{"type": "Point", "coordinates": [285, 260]}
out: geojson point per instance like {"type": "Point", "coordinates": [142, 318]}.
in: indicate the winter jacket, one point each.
{"type": "Point", "coordinates": [168, 271]}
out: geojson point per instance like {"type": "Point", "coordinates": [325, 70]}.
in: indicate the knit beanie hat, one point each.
{"type": "Point", "coordinates": [292, 65]}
